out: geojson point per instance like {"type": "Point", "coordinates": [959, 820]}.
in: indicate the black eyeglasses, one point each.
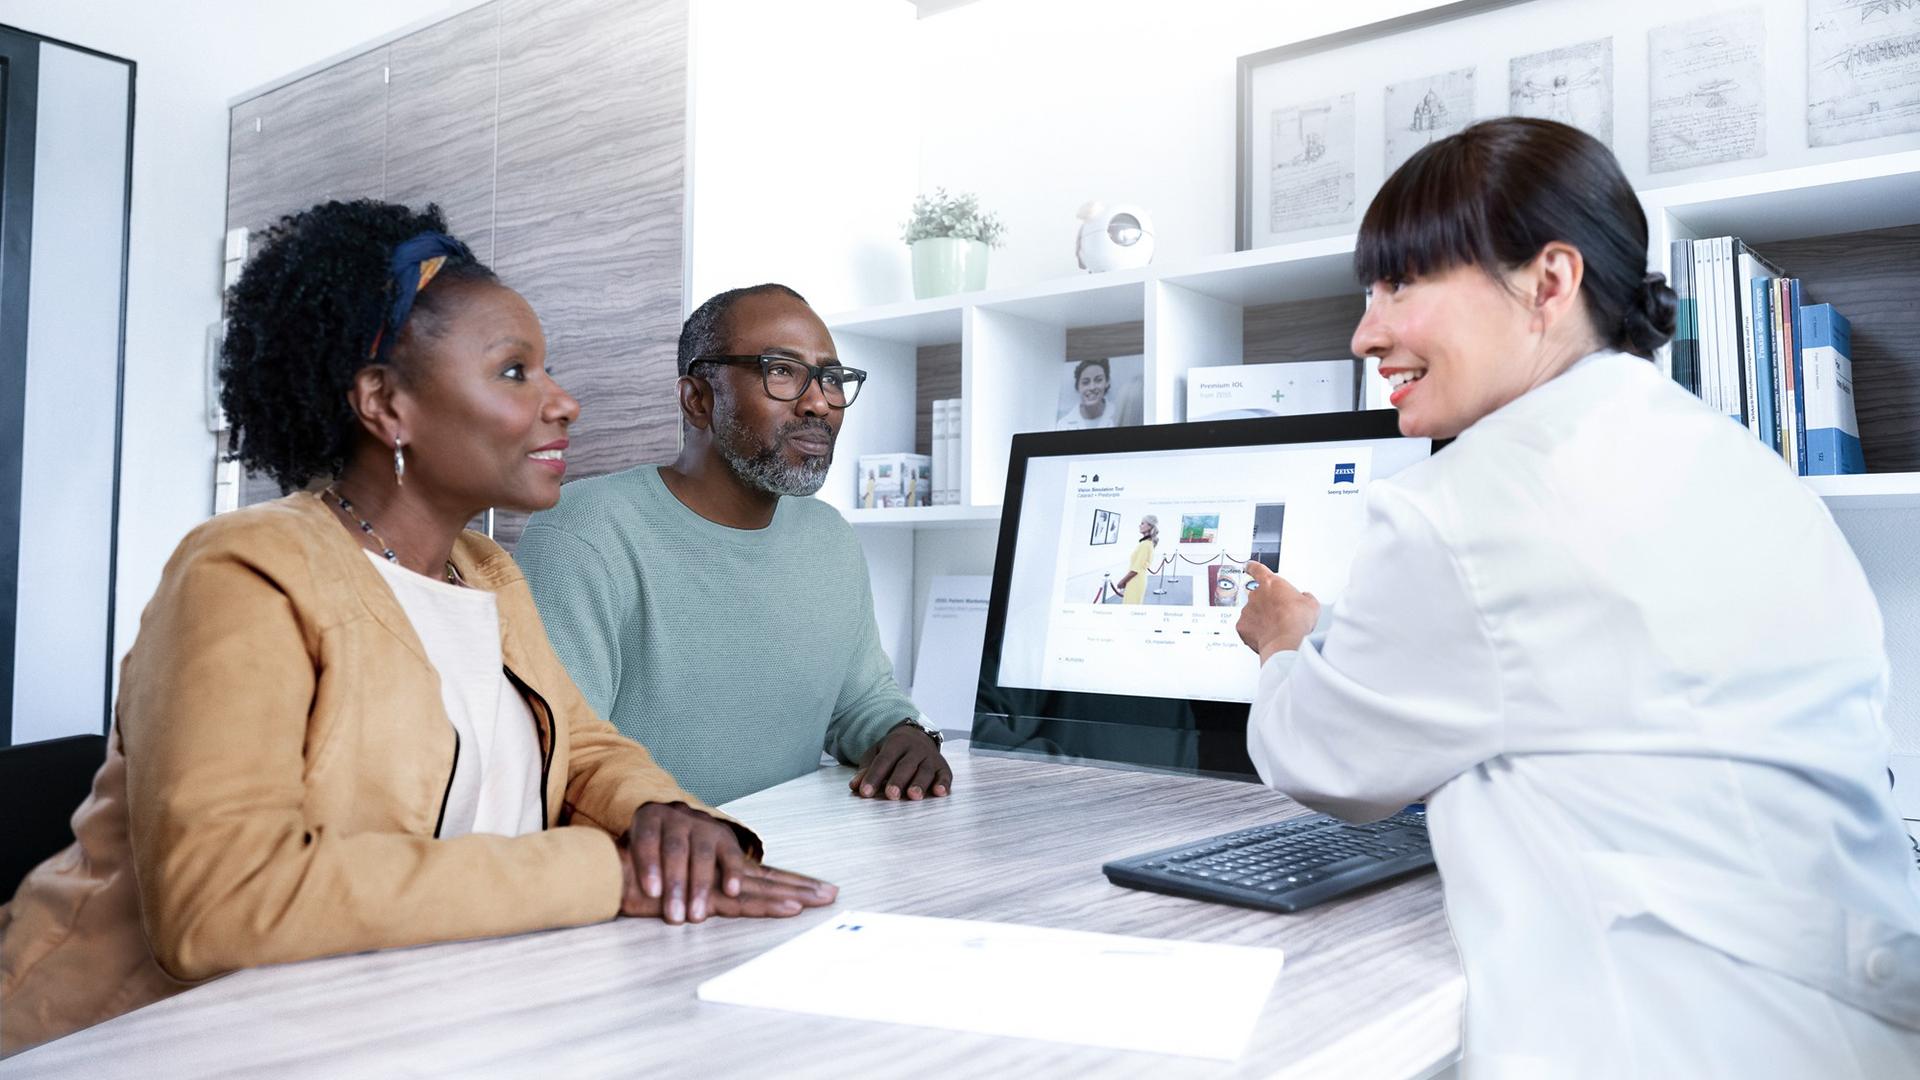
{"type": "Point", "coordinates": [786, 378]}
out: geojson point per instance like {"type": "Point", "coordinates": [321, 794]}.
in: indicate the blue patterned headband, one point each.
{"type": "Point", "coordinates": [415, 262]}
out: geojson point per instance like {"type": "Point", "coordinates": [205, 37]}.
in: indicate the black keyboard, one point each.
{"type": "Point", "coordinates": [1286, 865]}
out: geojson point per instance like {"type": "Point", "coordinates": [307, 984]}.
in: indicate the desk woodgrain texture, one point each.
{"type": "Point", "coordinates": [1372, 985]}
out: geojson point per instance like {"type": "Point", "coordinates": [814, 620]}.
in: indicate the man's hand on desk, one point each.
{"type": "Point", "coordinates": [680, 865]}
{"type": "Point", "coordinates": [905, 764]}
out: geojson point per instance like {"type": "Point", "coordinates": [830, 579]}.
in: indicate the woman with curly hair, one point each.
{"type": "Point", "coordinates": [341, 727]}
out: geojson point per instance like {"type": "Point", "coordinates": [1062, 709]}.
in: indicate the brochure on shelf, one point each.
{"type": "Point", "coordinates": [888, 480]}
{"type": "Point", "coordinates": [1290, 389]}
{"type": "Point", "coordinates": [946, 669]}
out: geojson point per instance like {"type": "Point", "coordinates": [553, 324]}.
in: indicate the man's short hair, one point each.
{"type": "Point", "coordinates": [705, 332]}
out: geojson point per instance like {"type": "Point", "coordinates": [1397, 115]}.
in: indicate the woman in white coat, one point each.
{"type": "Point", "coordinates": [1621, 651]}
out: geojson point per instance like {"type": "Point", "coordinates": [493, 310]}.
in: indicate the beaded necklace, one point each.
{"type": "Point", "coordinates": [386, 549]}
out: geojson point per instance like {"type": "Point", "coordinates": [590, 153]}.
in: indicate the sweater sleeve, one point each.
{"type": "Point", "coordinates": [1402, 692]}
{"type": "Point", "coordinates": [213, 715]}
{"type": "Point", "coordinates": [582, 606]}
{"type": "Point", "coordinates": [609, 776]}
{"type": "Point", "coordinates": [870, 702]}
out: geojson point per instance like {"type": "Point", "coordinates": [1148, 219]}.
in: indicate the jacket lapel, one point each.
{"type": "Point", "coordinates": [350, 563]}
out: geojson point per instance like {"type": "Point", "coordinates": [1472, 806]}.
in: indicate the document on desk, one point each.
{"type": "Point", "coordinates": [1108, 990]}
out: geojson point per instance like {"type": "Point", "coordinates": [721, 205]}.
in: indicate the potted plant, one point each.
{"type": "Point", "coordinates": [949, 237]}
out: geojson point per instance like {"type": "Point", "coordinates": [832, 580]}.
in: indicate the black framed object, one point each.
{"type": "Point", "coordinates": [62, 371]}
{"type": "Point", "coordinates": [19, 71]}
{"type": "Point", "coordinates": [1018, 710]}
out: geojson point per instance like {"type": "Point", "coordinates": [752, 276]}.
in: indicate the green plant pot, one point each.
{"type": "Point", "coordinates": [943, 265]}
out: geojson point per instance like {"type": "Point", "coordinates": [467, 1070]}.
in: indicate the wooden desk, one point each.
{"type": "Point", "coordinates": [1372, 986]}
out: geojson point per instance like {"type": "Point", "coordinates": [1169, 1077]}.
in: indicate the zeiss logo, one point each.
{"type": "Point", "coordinates": [1343, 474]}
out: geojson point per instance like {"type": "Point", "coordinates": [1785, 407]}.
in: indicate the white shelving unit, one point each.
{"type": "Point", "coordinates": [1827, 199]}
{"type": "Point", "coordinates": [1013, 341]}
{"type": "Point", "coordinates": [923, 517]}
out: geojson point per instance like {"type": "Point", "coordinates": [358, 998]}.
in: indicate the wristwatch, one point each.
{"type": "Point", "coordinates": [931, 731]}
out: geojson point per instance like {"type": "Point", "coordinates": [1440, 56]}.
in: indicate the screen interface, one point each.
{"type": "Point", "coordinates": [1128, 568]}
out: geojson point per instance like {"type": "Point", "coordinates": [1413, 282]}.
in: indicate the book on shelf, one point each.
{"type": "Point", "coordinates": [939, 446]}
{"type": "Point", "coordinates": [1742, 335]}
{"type": "Point", "coordinates": [946, 452]}
{"type": "Point", "coordinates": [1756, 377]}
{"type": "Point", "coordinates": [1833, 432]}
{"type": "Point", "coordinates": [1685, 349]}
{"type": "Point", "coordinates": [1796, 359]}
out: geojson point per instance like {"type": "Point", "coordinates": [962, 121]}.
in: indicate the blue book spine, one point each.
{"type": "Point", "coordinates": [1767, 405]}
{"type": "Point", "coordinates": [1799, 381]}
{"type": "Point", "coordinates": [1833, 435]}
{"type": "Point", "coordinates": [1686, 334]}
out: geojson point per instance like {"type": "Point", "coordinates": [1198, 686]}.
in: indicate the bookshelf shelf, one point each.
{"type": "Point", "coordinates": [1850, 224]}
{"type": "Point", "coordinates": [1868, 491]}
{"type": "Point", "coordinates": [1846, 196]}
{"type": "Point", "coordinates": [923, 517]}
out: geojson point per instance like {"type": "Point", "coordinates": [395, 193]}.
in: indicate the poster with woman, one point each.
{"type": "Point", "coordinates": [1102, 393]}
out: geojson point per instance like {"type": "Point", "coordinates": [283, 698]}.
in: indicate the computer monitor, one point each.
{"type": "Point", "coordinates": [1081, 662]}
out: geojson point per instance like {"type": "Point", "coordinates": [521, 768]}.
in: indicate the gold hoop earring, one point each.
{"type": "Point", "coordinates": [399, 465]}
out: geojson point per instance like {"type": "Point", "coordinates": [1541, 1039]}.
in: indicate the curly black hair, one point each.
{"type": "Point", "coordinates": [705, 331]}
{"type": "Point", "coordinates": [300, 324]}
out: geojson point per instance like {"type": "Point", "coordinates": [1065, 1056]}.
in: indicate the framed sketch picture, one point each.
{"type": "Point", "coordinates": [1679, 93]}
{"type": "Point", "coordinates": [1300, 169]}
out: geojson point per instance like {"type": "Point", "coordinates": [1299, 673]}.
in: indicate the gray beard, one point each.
{"type": "Point", "coordinates": [763, 466]}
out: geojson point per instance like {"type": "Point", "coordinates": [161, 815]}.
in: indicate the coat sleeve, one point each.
{"type": "Point", "coordinates": [233, 873]}
{"type": "Point", "coordinates": [1401, 693]}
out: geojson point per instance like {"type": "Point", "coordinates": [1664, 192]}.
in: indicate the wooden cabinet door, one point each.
{"type": "Point", "coordinates": [320, 138]}
{"type": "Point", "coordinates": [442, 104]}
{"type": "Point", "coordinates": [323, 137]}
{"type": "Point", "coordinates": [590, 203]}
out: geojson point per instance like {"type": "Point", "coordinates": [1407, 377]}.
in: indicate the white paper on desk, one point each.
{"type": "Point", "coordinates": [946, 670]}
{"type": "Point", "coordinates": [1126, 993]}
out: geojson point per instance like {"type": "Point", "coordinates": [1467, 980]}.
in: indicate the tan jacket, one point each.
{"type": "Point", "coordinates": [275, 782]}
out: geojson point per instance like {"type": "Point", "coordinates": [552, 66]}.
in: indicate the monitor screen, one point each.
{"type": "Point", "coordinates": [1120, 575]}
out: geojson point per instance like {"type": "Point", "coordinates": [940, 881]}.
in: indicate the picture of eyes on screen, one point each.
{"type": "Point", "coordinates": [1129, 569]}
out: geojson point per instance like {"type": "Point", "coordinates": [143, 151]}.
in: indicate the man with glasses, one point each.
{"type": "Point", "coordinates": [708, 607]}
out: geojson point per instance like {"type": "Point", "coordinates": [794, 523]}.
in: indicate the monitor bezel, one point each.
{"type": "Point", "coordinates": [1055, 724]}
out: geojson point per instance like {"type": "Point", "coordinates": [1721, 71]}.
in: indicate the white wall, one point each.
{"type": "Point", "coordinates": [193, 55]}
{"type": "Point", "coordinates": [1041, 105]}
{"type": "Point", "coordinates": [805, 132]}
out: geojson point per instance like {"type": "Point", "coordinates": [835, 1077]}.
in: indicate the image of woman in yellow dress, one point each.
{"type": "Point", "coordinates": [1133, 587]}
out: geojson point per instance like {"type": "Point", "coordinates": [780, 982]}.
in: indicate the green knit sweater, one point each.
{"type": "Point", "coordinates": [736, 656]}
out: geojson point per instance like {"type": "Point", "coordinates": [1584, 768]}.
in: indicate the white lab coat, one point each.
{"type": "Point", "coordinates": [1638, 676]}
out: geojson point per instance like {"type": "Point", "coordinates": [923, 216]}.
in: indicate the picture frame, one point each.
{"type": "Point", "coordinates": [1106, 528]}
{"type": "Point", "coordinates": [1249, 103]}
{"type": "Point", "coordinates": [1118, 392]}
{"type": "Point", "coordinates": [1679, 95]}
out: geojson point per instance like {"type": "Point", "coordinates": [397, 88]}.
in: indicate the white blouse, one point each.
{"type": "Point", "coordinates": [496, 770]}
{"type": "Point", "coordinates": [1638, 675]}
